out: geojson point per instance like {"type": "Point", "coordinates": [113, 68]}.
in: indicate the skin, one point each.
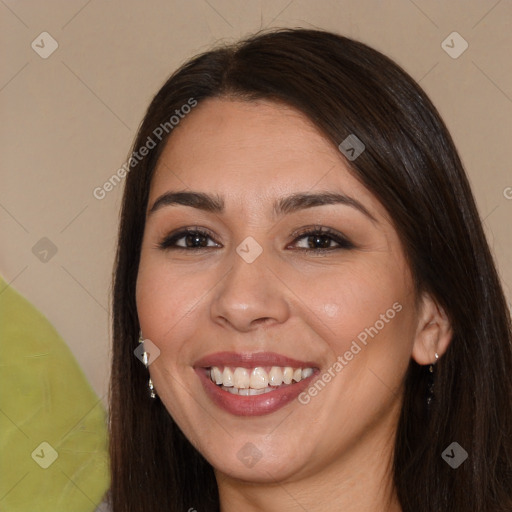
{"type": "Point", "coordinates": [336, 451]}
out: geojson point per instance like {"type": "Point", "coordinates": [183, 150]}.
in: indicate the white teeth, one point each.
{"type": "Point", "coordinates": [247, 382]}
{"type": "Point", "coordinates": [217, 375]}
{"type": "Point", "coordinates": [227, 377]}
{"type": "Point", "coordinates": [247, 392]}
{"type": "Point", "coordinates": [257, 391]}
{"type": "Point", "coordinates": [259, 378]}
{"type": "Point", "coordinates": [307, 372]}
{"type": "Point", "coordinates": [275, 377]}
{"type": "Point", "coordinates": [287, 375]}
{"type": "Point", "coordinates": [241, 378]}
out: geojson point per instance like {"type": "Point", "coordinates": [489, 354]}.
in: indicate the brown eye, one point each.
{"type": "Point", "coordinates": [320, 239]}
{"type": "Point", "coordinates": [193, 239]}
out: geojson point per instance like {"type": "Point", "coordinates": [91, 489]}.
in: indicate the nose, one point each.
{"type": "Point", "coordinates": [250, 295]}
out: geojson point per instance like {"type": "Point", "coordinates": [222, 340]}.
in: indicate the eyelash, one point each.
{"type": "Point", "coordinates": [168, 242]}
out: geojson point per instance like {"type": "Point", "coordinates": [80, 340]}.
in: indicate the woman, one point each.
{"type": "Point", "coordinates": [301, 258]}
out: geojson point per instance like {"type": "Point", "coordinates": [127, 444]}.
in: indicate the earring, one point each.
{"type": "Point", "coordinates": [151, 389]}
{"type": "Point", "coordinates": [146, 362]}
{"type": "Point", "coordinates": [430, 381]}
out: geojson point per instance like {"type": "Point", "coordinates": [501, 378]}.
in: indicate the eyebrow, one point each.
{"type": "Point", "coordinates": [282, 206]}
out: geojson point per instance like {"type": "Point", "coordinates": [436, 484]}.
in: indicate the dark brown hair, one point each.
{"type": "Point", "coordinates": [412, 167]}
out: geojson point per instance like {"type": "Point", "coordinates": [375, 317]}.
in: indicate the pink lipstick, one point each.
{"type": "Point", "coordinates": [266, 381]}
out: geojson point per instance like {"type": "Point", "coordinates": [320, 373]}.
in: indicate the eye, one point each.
{"type": "Point", "coordinates": [319, 239]}
{"type": "Point", "coordinates": [193, 239]}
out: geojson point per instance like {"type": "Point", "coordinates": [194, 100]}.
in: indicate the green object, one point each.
{"type": "Point", "coordinates": [53, 427]}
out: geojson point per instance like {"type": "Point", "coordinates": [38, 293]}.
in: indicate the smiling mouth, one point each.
{"type": "Point", "coordinates": [258, 380]}
{"type": "Point", "coordinates": [253, 383]}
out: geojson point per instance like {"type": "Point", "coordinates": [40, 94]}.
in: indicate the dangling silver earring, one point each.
{"type": "Point", "coordinates": [151, 389]}
{"type": "Point", "coordinates": [145, 361]}
{"type": "Point", "coordinates": [430, 381]}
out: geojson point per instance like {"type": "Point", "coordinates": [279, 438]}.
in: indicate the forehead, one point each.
{"type": "Point", "coordinates": [251, 152]}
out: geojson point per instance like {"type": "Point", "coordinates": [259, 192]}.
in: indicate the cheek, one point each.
{"type": "Point", "coordinates": [350, 300]}
{"type": "Point", "coordinates": [364, 313]}
{"type": "Point", "coordinates": [164, 299]}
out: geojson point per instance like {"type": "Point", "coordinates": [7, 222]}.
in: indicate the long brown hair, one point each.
{"type": "Point", "coordinates": [411, 165]}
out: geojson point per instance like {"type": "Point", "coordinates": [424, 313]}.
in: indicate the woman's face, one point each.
{"type": "Point", "coordinates": [248, 299]}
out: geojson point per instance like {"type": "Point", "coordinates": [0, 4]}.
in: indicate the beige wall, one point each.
{"type": "Point", "coordinates": [68, 121]}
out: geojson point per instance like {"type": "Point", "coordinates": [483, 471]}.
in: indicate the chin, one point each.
{"type": "Point", "coordinates": [257, 459]}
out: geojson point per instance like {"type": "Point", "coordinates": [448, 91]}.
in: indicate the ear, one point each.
{"type": "Point", "coordinates": [434, 331]}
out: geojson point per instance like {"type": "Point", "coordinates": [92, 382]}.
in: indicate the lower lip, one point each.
{"type": "Point", "coordinates": [255, 405]}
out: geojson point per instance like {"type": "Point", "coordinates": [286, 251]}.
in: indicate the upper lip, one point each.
{"type": "Point", "coordinates": [251, 360]}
